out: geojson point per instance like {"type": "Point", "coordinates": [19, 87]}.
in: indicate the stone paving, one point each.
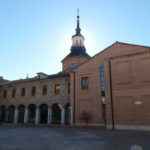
{"type": "Point", "coordinates": [50, 138]}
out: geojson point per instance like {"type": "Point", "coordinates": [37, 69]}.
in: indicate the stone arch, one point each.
{"type": "Point", "coordinates": [67, 114]}
{"type": "Point", "coordinates": [31, 113]}
{"type": "Point", "coordinates": [56, 113]}
{"type": "Point", "coordinates": [21, 112]}
{"type": "Point", "coordinates": [11, 112]}
{"type": "Point", "coordinates": [2, 113]}
{"type": "Point", "coordinates": [43, 113]}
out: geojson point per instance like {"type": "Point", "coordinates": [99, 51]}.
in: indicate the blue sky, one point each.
{"type": "Point", "coordinates": [35, 35]}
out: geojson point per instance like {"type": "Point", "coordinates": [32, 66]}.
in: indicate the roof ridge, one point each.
{"type": "Point", "coordinates": [116, 42]}
{"type": "Point", "coordinates": [125, 43]}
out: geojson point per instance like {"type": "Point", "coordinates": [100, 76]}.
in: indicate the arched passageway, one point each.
{"type": "Point", "coordinates": [11, 111]}
{"type": "Point", "coordinates": [21, 112]}
{"type": "Point", "coordinates": [31, 113]}
{"type": "Point", "coordinates": [43, 113]}
{"type": "Point", "coordinates": [2, 113]}
{"type": "Point", "coordinates": [56, 114]}
{"type": "Point", "coordinates": [67, 114]}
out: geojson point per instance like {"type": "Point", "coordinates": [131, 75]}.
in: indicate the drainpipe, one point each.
{"type": "Point", "coordinates": [74, 96]}
{"type": "Point", "coordinates": [111, 96]}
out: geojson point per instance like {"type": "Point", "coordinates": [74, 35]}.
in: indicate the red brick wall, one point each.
{"type": "Point", "coordinates": [130, 83]}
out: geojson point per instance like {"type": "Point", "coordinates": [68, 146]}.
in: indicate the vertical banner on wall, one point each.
{"type": "Point", "coordinates": [102, 80]}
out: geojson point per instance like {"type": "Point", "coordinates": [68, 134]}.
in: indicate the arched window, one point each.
{"type": "Point", "coordinates": [44, 90]}
{"type": "Point", "coordinates": [33, 91]}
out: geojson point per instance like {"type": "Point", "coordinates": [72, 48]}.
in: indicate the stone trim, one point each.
{"type": "Point", "coordinates": [133, 127]}
{"type": "Point", "coordinates": [90, 124]}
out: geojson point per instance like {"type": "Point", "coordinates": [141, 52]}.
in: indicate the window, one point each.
{"type": "Point", "coordinates": [44, 90]}
{"type": "Point", "coordinates": [102, 93]}
{"type": "Point", "coordinates": [13, 93]}
{"type": "Point", "coordinates": [84, 83]}
{"type": "Point", "coordinates": [23, 92]}
{"type": "Point", "coordinates": [5, 94]}
{"type": "Point", "coordinates": [102, 79]}
{"type": "Point", "coordinates": [69, 88]}
{"type": "Point", "coordinates": [101, 71]}
{"type": "Point", "coordinates": [57, 89]}
{"type": "Point", "coordinates": [33, 91]}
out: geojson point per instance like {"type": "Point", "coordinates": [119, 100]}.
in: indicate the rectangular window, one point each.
{"type": "Point", "coordinates": [84, 83]}
{"type": "Point", "coordinates": [5, 94]}
{"type": "Point", "coordinates": [13, 93]}
{"type": "Point", "coordinates": [57, 89]}
{"type": "Point", "coordinates": [23, 92]}
{"type": "Point", "coordinates": [33, 91]}
{"type": "Point", "coordinates": [44, 90]}
{"type": "Point", "coordinates": [102, 79]}
{"type": "Point", "coordinates": [69, 88]}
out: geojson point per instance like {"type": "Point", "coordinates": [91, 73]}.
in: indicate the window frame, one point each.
{"type": "Point", "coordinates": [57, 91]}
{"type": "Point", "coordinates": [44, 90]}
{"type": "Point", "coordinates": [5, 93]}
{"type": "Point", "coordinates": [84, 82]}
{"type": "Point", "coordinates": [102, 79]}
{"type": "Point", "coordinates": [23, 92]}
{"type": "Point", "coordinates": [33, 91]}
{"type": "Point", "coordinates": [13, 92]}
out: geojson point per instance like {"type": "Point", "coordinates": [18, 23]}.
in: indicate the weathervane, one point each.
{"type": "Point", "coordinates": [78, 12]}
{"type": "Point", "coordinates": [78, 23]}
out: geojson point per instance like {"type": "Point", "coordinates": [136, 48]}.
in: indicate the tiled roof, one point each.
{"type": "Point", "coordinates": [53, 76]}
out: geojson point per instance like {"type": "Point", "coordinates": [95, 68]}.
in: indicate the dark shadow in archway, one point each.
{"type": "Point", "coordinates": [43, 113]}
{"type": "Point", "coordinates": [2, 113]}
{"type": "Point", "coordinates": [11, 112]}
{"type": "Point", "coordinates": [21, 111]}
{"type": "Point", "coordinates": [31, 113]}
{"type": "Point", "coordinates": [67, 114]}
{"type": "Point", "coordinates": [56, 114]}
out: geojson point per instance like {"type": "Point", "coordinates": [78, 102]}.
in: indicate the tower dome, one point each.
{"type": "Point", "coordinates": [78, 47]}
{"type": "Point", "coordinates": [77, 53]}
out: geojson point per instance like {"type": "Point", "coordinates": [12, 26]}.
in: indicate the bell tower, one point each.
{"type": "Point", "coordinates": [77, 53]}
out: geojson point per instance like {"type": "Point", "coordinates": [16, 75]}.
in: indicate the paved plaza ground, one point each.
{"type": "Point", "coordinates": [53, 138]}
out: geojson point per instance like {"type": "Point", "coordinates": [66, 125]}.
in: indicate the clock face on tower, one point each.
{"type": "Point", "coordinates": [72, 66]}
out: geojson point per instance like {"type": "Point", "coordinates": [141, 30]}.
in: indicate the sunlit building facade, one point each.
{"type": "Point", "coordinates": [110, 89]}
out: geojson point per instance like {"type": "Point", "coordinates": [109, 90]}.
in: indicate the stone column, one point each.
{"type": "Point", "coordinates": [16, 115]}
{"type": "Point", "coordinates": [62, 116]}
{"type": "Point", "coordinates": [6, 115]}
{"type": "Point", "coordinates": [71, 115]}
{"type": "Point", "coordinates": [49, 119]}
{"type": "Point", "coordinates": [26, 115]}
{"type": "Point", "coordinates": [37, 116]}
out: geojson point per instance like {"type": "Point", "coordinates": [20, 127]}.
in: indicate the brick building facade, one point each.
{"type": "Point", "coordinates": [117, 95]}
{"type": "Point", "coordinates": [110, 89]}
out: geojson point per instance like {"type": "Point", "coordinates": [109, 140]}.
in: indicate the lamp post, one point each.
{"type": "Point", "coordinates": [103, 99]}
